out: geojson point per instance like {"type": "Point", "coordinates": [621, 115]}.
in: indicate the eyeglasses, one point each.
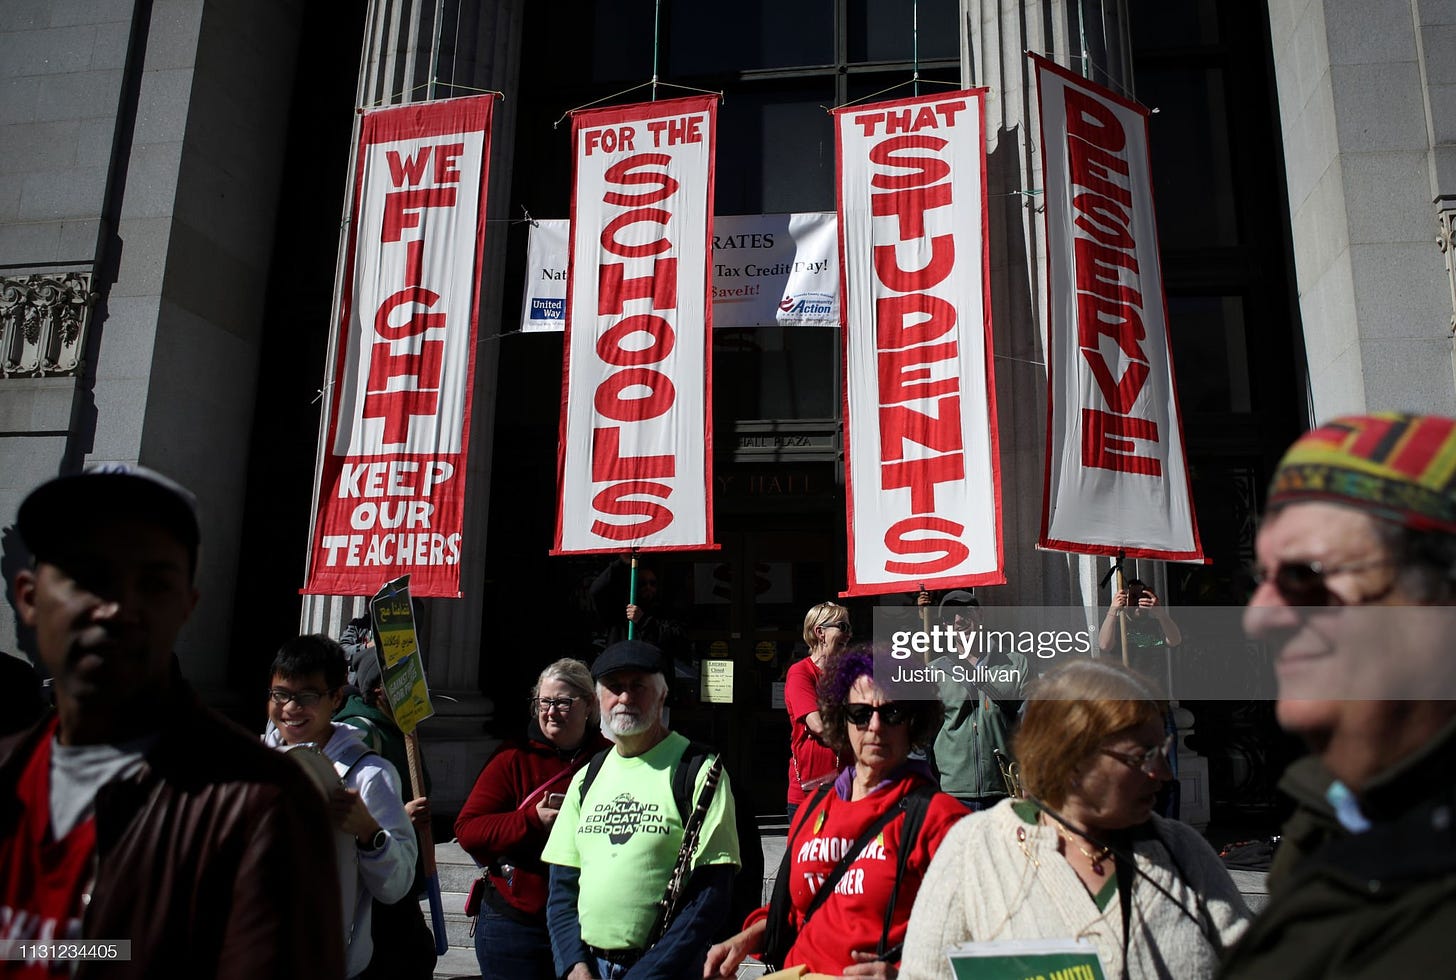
{"type": "Point", "coordinates": [1146, 762]}
{"type": "Point", "coordinates": [891, 713]}
{"type": "Point", "coordinates": [555, 704]}
{"type": "Point", "coordinates": [1302, 583]}
{"type": "Point", "coordinates": [841, 625]}
{"type": "Point", "coordinates": [304, 699]}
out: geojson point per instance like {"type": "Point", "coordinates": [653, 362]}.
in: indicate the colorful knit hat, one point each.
{"type": "Point", "coordinates": [1398, 466]}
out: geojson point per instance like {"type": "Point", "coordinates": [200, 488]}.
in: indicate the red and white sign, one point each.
{"type": "Point", "coordinates": [391, 488]}
{"type": "Point", "coordinates": [921, 457]}
{"type": "Point", "coordinates": [1116, 474]}
{"type": "Point", "coordinates": [634, 463]}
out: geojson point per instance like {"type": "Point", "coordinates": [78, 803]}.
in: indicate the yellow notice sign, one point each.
{"type": "Point", "coordinates": [717, 682]}
{"type": "Point", "coordinates": [398, 645]}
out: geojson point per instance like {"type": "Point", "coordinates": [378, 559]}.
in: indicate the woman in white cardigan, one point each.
{"type": "Point", "coordinates": [1054, 865]}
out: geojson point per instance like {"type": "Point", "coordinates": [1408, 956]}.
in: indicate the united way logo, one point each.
{"type": "Point", "coordinates": [623, 817]}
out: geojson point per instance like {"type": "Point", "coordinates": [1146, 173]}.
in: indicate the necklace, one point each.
{"type": "Point", "coordinates": [1097, 867]}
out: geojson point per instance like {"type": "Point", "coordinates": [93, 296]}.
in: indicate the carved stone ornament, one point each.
{"type": "Point", "coordinates": [43, 321]}
{"type": "Point", "coordinates": [1446, 242]}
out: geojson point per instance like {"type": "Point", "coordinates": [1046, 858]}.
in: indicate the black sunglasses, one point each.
{"type": "Point", "coordinates": [841, 625]}
{"type": "Point", "coordinates": [891, 713]}
{"type": "Point", "coordinates": [1302, 583]}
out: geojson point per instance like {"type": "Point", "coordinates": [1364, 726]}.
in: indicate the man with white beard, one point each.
{"type": "Point", "coordinates": [618, 835]}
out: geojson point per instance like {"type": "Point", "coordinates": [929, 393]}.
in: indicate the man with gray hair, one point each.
{"type": "Point", "coordinates": [1357, 575]}
{"type": "Point", "coordinates": [618, 836]}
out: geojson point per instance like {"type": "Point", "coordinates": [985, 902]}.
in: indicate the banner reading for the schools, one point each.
{"type": "Point", "coordinates": [1116, 474]}
{"type": "Point", "coordinates": [391, 485]}
{"type": "Point", "coordinates": [921, 460]}
{"type": "Point", "coordinates": [634, 466]}
{"type": "Point", "coordinates": [768, 270]}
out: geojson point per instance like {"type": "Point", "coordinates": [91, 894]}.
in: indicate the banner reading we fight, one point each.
{"type": "Point", "coordinates": [634, 462]}
{"type": "Point", "coordinates": [921, 458]}
{"type": "Point", "coordinates": [1116, 474]}
{"type": "Point", "coordinates": [391, 486]}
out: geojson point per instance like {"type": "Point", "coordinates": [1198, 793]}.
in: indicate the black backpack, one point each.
{"type": "Point", "coordinates": [748, 881]}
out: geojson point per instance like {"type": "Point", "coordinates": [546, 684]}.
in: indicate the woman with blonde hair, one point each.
{"type": "Point", "coordinates": [508, 816]}
{"type": "Point", "coordinates": [1083, 855]}
{"type": "Point", "coordinates": [811, 759]}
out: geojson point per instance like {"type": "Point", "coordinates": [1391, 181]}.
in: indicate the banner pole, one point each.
{"type": "Point", "coordinates": [1122, 613]}
{"type": "Point", "coordinates": [632, 594]}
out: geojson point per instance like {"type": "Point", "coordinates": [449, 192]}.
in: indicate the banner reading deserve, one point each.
{"type": "Point", "coordinates": [391, 485]}
{"type": "Point", "coordinates": [634, 466]}
{"type": "Point", "coordinates": [921, 459]}
{"type": "Point", "coordinates": [1116, 475]}
{"type": "Point", "coordinates": [768, 270]}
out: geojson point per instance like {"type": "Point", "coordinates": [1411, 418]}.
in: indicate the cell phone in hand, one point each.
{"type": "Point", "coordinates": [554, 800]}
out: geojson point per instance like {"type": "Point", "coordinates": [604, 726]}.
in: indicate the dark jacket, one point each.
{"type": "Point", "coordinates": [1381, 903]}
{"type": "Point", "coordinates": [215, 859]}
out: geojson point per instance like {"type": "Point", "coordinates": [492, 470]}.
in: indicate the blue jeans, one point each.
{"type": "Point", "coordinates": [511, 950]}
{"type": "Point", "coordinates": [610, 971]}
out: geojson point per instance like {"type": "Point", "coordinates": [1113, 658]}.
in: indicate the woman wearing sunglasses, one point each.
{"type": "Point", "coordinates": [1083, 856]}
{"type": "Point", "coordinates": [508, 816]}
{"type": "Point", "coordinates": [859, 846]}
{"type": "Point", "coordinates": [811, 760]}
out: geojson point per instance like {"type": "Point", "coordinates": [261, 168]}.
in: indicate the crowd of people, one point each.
{"type": "Point", "coordinates": [611, 846]}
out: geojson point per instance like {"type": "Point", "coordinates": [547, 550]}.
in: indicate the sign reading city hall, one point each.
{"type": "Point", "coordinates": [391, 485]}
{"type": "Point", "coordinates": [633, 462]}
{"type": "Point", "coordinates": [921, 460]}
{"type": "Point", "coordinates": [1116, 476]}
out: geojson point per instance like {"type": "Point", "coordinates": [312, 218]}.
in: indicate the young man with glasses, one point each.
{"type": "Point", "coordinates": [308, 676]}
{"type": "Point", "coordinates": [1357, 576]}
{"type": "Point", "coordinates": [133, 812]}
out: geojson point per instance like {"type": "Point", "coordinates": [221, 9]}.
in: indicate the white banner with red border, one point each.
{"type": "Point", "coordinates": [634, 461]}
{"type": "Point", "coordinates": [922, 468]}
{"type": "Point", "coordinates": [391, 490]}
{"type": "Point", "coordinates": [1116, 471]}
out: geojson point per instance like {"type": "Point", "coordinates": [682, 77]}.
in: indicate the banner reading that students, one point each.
{"type": "Point", "coordinates": [922, 468]}
{"type": "Point", "coordinates": [1116, 474]}
{"type": "Point", "coordinates": [391, 487]}
{"type": "Point", "coordinates": [634, 467]}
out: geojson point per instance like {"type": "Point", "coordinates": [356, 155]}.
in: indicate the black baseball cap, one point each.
{"type": "Point", "coordinates": [627, 655]}
{"type": "Point", "coordinates": [61, 512]}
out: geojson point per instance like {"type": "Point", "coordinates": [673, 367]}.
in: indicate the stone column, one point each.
{"type": "Point", "coordinates": [417, 50]}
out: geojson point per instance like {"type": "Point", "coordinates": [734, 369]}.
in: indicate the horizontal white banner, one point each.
{"type": "Point", "coordinates": [768, 270]}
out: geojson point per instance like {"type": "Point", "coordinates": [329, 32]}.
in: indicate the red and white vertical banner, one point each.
{"type": "Point", "coordinates": [634, 462]}
{"type": "Point", "coordinates": [922, 469]}
{"type": "Point", "coordinates": [1116, 473]}
{"type": "Point", "coordinates": [391, 490]}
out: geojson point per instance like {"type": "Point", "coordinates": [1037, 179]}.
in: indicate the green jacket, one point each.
{"type": "Point", "coordinates": [980, 714]}
{"type": "Point", "coordinates": [1377, 904]}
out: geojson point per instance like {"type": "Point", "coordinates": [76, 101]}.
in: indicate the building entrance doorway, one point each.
{"type": "Point", "coordinates": [747, 611]}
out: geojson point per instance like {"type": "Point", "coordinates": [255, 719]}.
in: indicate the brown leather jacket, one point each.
{"type": "Point", "coordinates": [215, 860]}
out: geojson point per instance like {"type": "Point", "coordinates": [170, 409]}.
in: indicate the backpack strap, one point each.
{"type": "Point", "coordinates": [592, 768]}
{"type": "Point", "coordinates": [350, 757]}
{"type": "Point", "coordinates": [685, 777]}
{"type": "Point", "coordinates": [917, 804]}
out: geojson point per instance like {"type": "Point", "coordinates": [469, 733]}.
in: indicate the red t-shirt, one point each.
{"type": "Point", "coordinates": [42, 880]}
{"type": "Point", "coordinates": [855, 916]}
{"type": "Point", "coordinates": [808, 758]}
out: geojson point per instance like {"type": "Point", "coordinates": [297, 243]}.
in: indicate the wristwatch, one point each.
{"type": "Point", "coordinates": [376, 842]}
